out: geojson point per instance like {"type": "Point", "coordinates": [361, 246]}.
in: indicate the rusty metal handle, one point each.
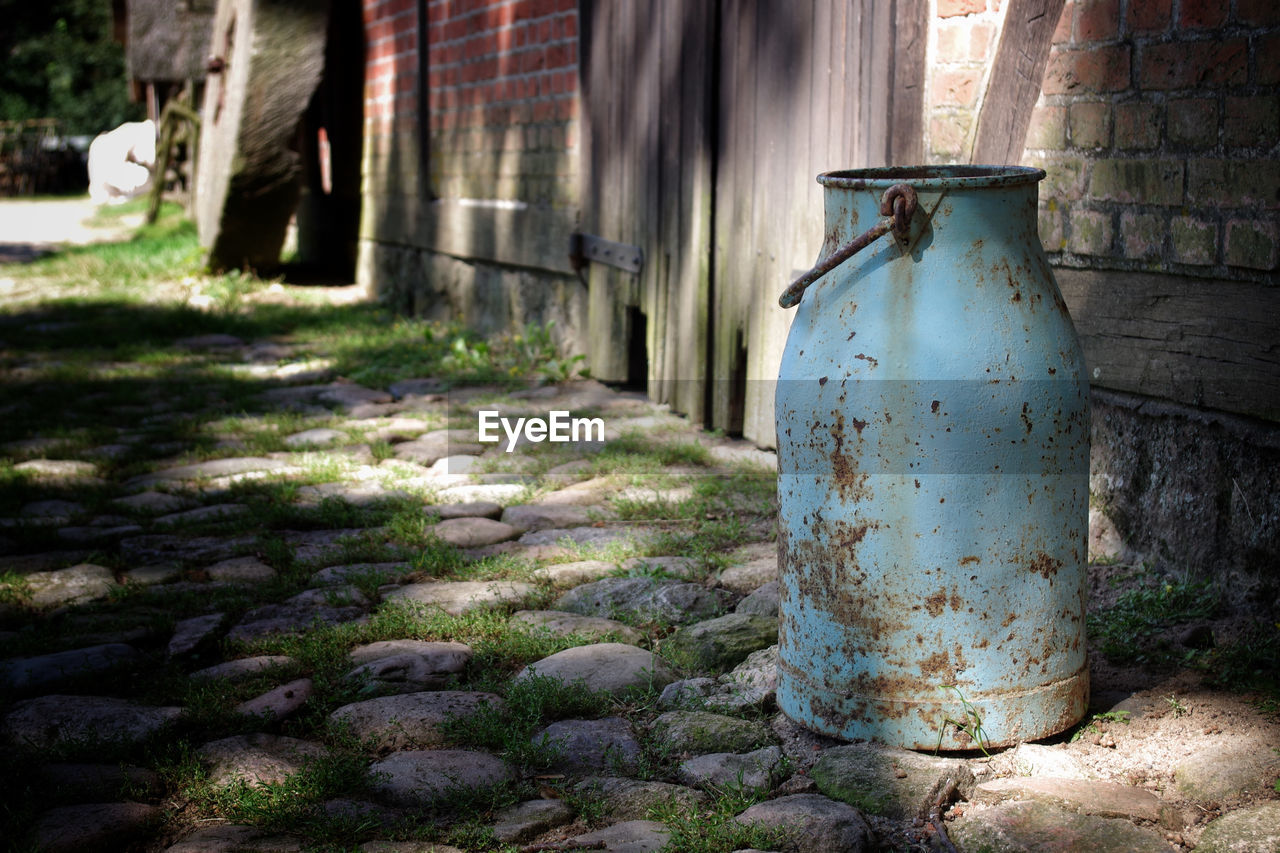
{"type": "Point", "coordinates": [897, 205]}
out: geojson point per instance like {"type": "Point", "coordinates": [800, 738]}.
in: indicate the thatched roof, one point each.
{"type": "Point", "coordinates": [169, 39]}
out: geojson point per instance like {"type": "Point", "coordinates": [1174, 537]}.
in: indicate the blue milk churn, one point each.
{"type": "Point", "coordinates": [933, 450]}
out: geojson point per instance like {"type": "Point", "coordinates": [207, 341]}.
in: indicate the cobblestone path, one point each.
{"type": "Point", "coordinates": [317, 615]}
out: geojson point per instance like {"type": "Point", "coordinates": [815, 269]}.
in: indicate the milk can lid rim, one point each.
{"type": "Point", "coordinates": [932, 177]}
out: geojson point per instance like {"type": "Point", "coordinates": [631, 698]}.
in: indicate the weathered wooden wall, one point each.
{"type": "Point", "coordinates": [707, 125]}
{"type": "Point", "coordinates": [647, 182]}
{"type": "Point", "coordinates": [1207, 344]}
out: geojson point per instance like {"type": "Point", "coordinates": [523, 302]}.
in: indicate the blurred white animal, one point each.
{"type": "Point", "coordinates": [121, 161]}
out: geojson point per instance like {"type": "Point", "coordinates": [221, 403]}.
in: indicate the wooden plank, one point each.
{"type": "Point", "coordinates": [1014, 83]}
{"type": "Point", "coordinates": [735, 205]}
{"type": "Point", "coordinates": [607, 320]}
{"type": "Point", "coordinates": [853, 84]}
{"type": "Point", "coordinates": [688, 349]}
{"type": "Point", "coordinates": [906, 120]}
{"type": "Point", "coordinates": [879, 73]}
{"type": "Point", "coordinates": [646, 180]}
{"type": "Point", "coordinates": [788, 237]}
{"type": "Point", "coordinates": [663, 331]}
{"type": "Point", "coordinates": [1205, 343]}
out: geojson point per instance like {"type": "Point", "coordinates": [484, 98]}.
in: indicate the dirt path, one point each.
{"type": "Point", "coordinates": [28, 229]}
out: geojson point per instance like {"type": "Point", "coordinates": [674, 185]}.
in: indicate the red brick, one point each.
{"type": "Point", "coordinates": [1234, 183]}
{"type": "Point", "coordinates": [1102, 69]}
{"type": "Point", "coordinates": [948, 135]}
{"type": "Point", "coordinates": [558, 56]}
{"type": "Point", "coordinates": [1141, 235]}
{"type": "Point", "coordinates": [1048, 128]}
{"type": "Point", "coordinates": [1258, 13]}
{"type": "Point", "coordinates": [951, 41]}
{"type": "Point", "coordinates": [1062, 33]}
{"type": "Point", "coordinates": [1148, 16]}
{"type": "Point", "coordinates": [958, 88]}
{"type": "Point", "coordinates": [981, 42]}
{"type": "Point", "coordinates": [1097, 20]}
{"type": "Point", "coordinates": [1193, 122]}
{"type": "Point", "coordinates": [1091, 232]}
{"type": "Point", "coordinates": [952, 8]}
{"type": "Point", "coordinates": [1252, 121]}
{"type": "Point", "coordinates": [1253, 244]}
{"type": "Point", "coordinates": [1090, 124]}
{"type": "Point", "coordinates": [1268, 68]}
{"type": "Point", "coordinates": [1202, 14]}
{"type": "Point", "coordinates": [1186, 65]}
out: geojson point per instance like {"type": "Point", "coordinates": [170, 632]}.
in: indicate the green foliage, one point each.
{"type": "Point", "coordinates": [1094, 727]}
{"type": "Point", "coordinates": [60, 61]}
{"type": "Point", "coordinates": [970, 726]}
{"type": "Point", "coordinates": [530, 703]}
{"type": "Point", "coordinates": [698, 829]}
{"type": "Point", "coordinates": [1129, 631]}
{"type": "Point", "coordinates": [284, 805]}
{"type": "Point", "coordinates": [1250, 663]}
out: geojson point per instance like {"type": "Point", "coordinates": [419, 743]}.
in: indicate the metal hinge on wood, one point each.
{"type": "Point", "coordinates": [589, 247]}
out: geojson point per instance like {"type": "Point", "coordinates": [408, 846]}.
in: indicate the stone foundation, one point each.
{"type": "Point", "coordinates": [1190, 491]}
{"type": "Point", "coordinates": [487, 298]}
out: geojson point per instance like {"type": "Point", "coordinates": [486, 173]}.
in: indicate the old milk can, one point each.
{"type": "Point", "coordinates": [933, 450]}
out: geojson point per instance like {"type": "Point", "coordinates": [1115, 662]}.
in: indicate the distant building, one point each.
{"type": "Point", "coordinates": [166, 46]}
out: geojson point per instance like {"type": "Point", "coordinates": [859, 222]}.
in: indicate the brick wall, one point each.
{"type": "Point", "coordinates": [391, 65]}
{"type": "Point", "coordinates": [962, 41]}
{"type": "Point", "coordinates": [467, 210]}
{"type": "Point", "coordinates": [502, 93]}
{"type": "Point", "coordinates": [1159, 125]}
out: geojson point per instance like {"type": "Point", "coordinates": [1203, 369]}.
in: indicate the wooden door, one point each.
{"type": "Point", "coordinates": [645, 77]}
{"type": "Point", "coordinates": [705, 126]}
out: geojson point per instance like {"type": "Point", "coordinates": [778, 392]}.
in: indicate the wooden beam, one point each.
{"type": "Point", "coordinates": [906, 120]}
{"type": "Point", "coordinates": [1014, 84]}
{"type": "Point", "coordinates": [1204, 343]}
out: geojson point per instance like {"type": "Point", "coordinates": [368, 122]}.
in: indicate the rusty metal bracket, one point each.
{"type": "Point", "coordinates": [897, 205]}
{"type": "Point", "coordinates": [588, 247]}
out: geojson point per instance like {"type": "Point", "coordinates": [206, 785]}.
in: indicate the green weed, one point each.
{"type": "Point", "coordinates": [1093, 727]}
{"type": "Point", "coordinates": [529, 704]}
{"type": "Point", "coordinates": [969, 727]}
{"type": "Point", "coordinates": [1129, 631]}
{"type": "Point", "coordinates": [714, 829]}
{"type": "Point", "coordinates": [1251, 663]}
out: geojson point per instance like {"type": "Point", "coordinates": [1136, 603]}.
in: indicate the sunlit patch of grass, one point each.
{"type": "Point", "coordinates": [635, 453]}
{"type": "Point", "coordinates": [169, 248]}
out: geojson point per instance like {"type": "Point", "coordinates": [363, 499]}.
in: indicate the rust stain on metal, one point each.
{"type": "Point", "coordinates": [868, 359]}
{"type": "Point", "coordinates": [936, 665]}
{"type": "Point", "coordinates": [1044, 565]}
